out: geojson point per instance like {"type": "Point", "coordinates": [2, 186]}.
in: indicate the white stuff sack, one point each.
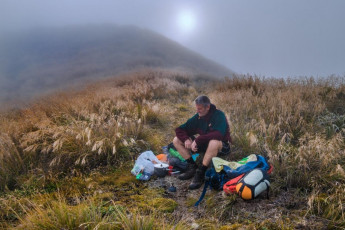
{"type": "Point", "coordinates": [145, 163]}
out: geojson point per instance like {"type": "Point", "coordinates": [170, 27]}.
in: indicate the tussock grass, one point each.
{"type": "Point", "coordinates": [86, 215]}
{"type": "Point", "coordinates": [78, 136]}
{"type": "Point", "coordinates": [98, 126]}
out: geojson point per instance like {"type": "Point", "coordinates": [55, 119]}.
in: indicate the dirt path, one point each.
{"type": "Point", "coordinates": [284, 210]}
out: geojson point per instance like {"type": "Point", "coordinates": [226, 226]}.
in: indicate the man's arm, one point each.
{"type": "Point", "coordinates": [205, 138]}
{"type": "Point", "coordinates": [181, 134]}
{"type": "Point", "coordinates": [187, 129]}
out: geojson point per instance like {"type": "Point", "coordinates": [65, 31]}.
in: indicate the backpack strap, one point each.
{"type": "Point", "coordinates": [207, 183]}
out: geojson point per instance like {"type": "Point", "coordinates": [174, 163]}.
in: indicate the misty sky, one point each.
{"type": "Point", "coordinates": [267, 37]}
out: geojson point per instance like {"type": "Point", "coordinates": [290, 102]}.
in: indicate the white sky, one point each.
{"type": "Point", "coordinates": [267, 37]}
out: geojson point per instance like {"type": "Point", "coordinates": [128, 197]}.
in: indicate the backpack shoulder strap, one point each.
{"type": "Point", "coordinates": [207, 183]}
{"type": "Point", "coordinates": [209, 173]}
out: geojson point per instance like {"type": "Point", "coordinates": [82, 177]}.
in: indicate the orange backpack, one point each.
{"type": "Point", "coordinates": [230, 186]}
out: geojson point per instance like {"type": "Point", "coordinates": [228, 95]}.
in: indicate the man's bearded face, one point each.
{"type": "Point", "coordinates": [202, 110]}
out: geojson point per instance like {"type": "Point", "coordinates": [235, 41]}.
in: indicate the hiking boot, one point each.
{"type": "Point", "coordinates": [198, 179]}
{"type": "Point", "coordinates": [189, 173]}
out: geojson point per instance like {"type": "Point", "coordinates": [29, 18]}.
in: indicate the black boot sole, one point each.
{"type": "Point", "coordinates": [193, 186]}
{"type": "Point", "coordinates": [184, 178]}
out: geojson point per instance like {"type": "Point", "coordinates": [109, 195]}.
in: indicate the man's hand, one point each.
{"type": "Point", "coordinates": [194, 146]}
{"type": "Point", "coordinates": [188, 144]}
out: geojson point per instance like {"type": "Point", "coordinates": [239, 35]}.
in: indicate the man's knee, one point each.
{"type": "Point", "coordinates": [215, 145]}
{"type": "Point", "coordinates": [177, 141]}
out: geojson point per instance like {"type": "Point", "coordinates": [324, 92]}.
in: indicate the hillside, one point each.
{"type": "Point", "coordinates": [65, 161]}
{"type": "Point", "coordinates": [40, 60]}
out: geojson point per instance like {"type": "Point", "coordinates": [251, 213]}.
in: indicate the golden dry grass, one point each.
{"type": "Point", "coordinates": [297, 123]}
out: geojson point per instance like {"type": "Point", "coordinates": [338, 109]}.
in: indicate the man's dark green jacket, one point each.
{"type": "Point", "coordinates": [212, 126]}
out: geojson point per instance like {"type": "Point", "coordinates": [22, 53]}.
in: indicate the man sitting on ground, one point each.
{"type": "Point", "coordinates": [214, 137]}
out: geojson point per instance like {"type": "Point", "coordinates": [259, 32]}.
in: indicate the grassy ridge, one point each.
{"type": "Point", "coordinates": [48, 59]}
{"type": "Point", "coordinates": [72, 152]}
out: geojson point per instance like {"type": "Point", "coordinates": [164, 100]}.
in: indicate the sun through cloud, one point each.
{"type": "Point", "coordinates": [186, 20]}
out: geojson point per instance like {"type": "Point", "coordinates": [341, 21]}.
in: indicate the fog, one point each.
{"type": "Point", "coordinates": [268, 37]}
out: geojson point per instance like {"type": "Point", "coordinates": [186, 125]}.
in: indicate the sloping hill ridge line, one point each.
{"type": "Point", "coordinates": [44, 59]}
